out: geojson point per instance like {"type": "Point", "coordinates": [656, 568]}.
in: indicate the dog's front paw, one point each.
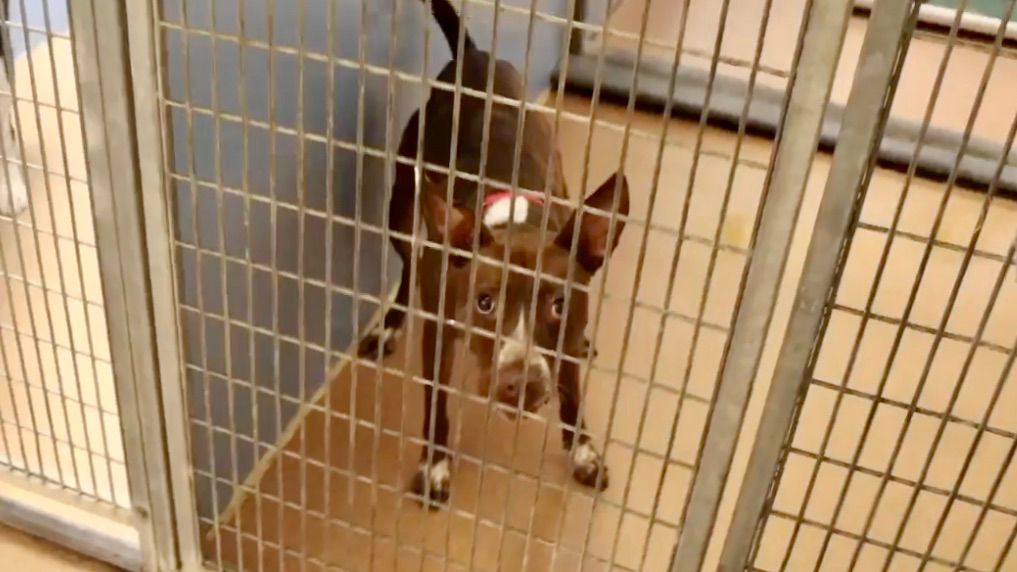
{"type": "Point", "coordinates": [588, 467]}
{"type": "Point", "coordinates": [431, 484]}
{"type": "Point", "coordinates": [379, 343]}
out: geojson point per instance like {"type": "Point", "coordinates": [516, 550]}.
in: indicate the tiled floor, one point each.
{"type": "Point", "coordinates": [25, 553]}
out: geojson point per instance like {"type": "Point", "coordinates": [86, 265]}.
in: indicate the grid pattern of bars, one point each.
{"type": "Point", "coordinates": [902, 456]}
{"type": "Point", "coordinates": [58, 407]}
{"type": "Point", "coordinates": [298, 463]}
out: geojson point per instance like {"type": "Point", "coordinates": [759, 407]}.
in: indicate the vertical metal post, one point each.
{"type": "Point", "coordinates": [145, 60]}
{"type": "Point", "coordinates": [863, 116]}
{"type": "Point", "coordinates": [577, 34]}
{"type": "Point", "coordinates": [826, 25]}
{"type": "Point", "coordinates": [136, 278]}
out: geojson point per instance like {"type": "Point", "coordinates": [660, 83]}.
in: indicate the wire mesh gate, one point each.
{"type": "Point", "coordinates": [926, 360]}
{"type": "Point", "coordinates": [263, 138]}
{"type": "Point", "coordinates": [49, 304]}
{"type": "Point", "coordinates": [63, 468]}
{"type": "Point", "coordinates": [334, 493]}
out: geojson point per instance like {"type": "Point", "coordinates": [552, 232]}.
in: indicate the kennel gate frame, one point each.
{"type": "Point", "coordinates": [114, 49]}
{"type": "Point", "coordinates": [122, 107]}
{"type": "Point", "coordinates": [29, 501]}
{"type": "Point", "coordinates": [142, 536]}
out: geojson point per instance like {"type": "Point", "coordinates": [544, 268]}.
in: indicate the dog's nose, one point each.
{"type": "Point", "coordinates": [526, 388]}
{"type": "Point", "coordinates": [534, 390]}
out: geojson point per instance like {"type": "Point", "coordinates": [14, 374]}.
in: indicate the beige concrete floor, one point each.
{"type": "Point", "coordinates": [57, 399]}
{"type": "Point", "coordinates": [25, 553]}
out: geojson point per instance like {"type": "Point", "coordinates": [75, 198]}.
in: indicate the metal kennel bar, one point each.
{"type": "Point", "coordinates": [824, 30]}
{"type": "Point", "coordinates": [868, 99]}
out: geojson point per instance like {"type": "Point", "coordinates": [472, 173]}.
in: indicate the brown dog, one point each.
{"type": "Point", "coordinates": [516, 316]}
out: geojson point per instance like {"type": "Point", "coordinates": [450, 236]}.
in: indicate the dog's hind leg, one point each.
{"type": "Point", "coordinates": [382, 340]}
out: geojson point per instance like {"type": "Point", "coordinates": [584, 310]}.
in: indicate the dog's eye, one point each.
{"type": "Point", "coordinates": [485, 304]}
{"type": "Point", "coordinates": [558, 308]}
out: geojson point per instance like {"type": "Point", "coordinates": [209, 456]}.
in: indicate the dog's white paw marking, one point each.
{"type": "Point", "coordinates": [584, 454]}
{"type": "Point", "coordinates": [498, 213]}
{"type": "Point", "coordinates": [431, 482]}
{"type": "Point", "coordinates": [13, 191]}
{"type": "Point", "coordinates": [588, 467]}
{"type": "Point", "coordinates": [381, 341]}
{"type": "Point", "coordinates": [439, 474]}
{"type": "Point", "coordinates": [386, 335]}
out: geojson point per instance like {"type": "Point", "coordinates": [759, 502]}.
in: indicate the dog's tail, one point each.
{"type": "Point", "coordinates": [448, 21]}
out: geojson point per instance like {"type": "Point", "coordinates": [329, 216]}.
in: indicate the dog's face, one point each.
{"type": "Point", "coordinates": [517, 318]}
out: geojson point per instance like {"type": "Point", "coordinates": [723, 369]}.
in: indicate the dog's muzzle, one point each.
{"type": "Point", "coordinates": [520, 387]}
{"type": "Point", "coordinates": [523, 377]}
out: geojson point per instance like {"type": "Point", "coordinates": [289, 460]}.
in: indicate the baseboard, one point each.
{"type": "Point", "coordinates": [935, 159]}
{"type": "Point", "coordinates": [92, 528]}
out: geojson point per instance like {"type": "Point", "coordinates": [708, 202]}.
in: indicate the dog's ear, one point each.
{"type": "Point", "coordinates": [593, 246]}
{"type": "Point", "coordinates": [457, 223]}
